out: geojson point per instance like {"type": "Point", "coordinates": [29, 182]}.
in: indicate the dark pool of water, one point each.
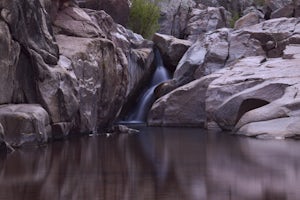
{"type": "Point", "coordinates": [159, 163]}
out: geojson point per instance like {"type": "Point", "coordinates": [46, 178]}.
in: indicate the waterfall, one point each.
{"type": "Point", "coordinates": [146, 99]}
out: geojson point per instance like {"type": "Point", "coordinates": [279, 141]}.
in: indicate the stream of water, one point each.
{"type": "Point", "coordinates": [139, 113]}
{"type": "Point", "coordinates": [156, 164]}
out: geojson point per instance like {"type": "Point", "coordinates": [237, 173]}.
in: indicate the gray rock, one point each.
{"type": "Point", "coordinates": [102, 77]}
{"type": "Point", "coordinates": [254, 96]}
{"type": "Point", "coordinates": [9, 57]}
{"type": "Point", "coordinates": [277, 4]}
{"type": "Point", "coordinates": [117, 9]}
{"type": "Point", "coordinates": [31, 27]}
{"type": "Point", "coordinates": [171, 49]}
{"type": "Point", "coordinates": [285, 11]}
{"type": "Point", "coordinates": [90, 73]}
{"type": "Point", "coordinates": [205, 20]}
{"type": "Point", "coordinates": [249, 19]}
{"type": "Point", "coordinates": [223, 47]}
{"type": "Point", "coordinates": [75, 22]}
{"type": "Point", "coordinates": [268, 107]}
{"type": "Point", "coordinates": [204, 57]}
{"type": "Point", "coordinates": [25, 124]}
{"type": "Point", "coordinates": [138, 51]}
{"type": "Point", "coordinates": [184, 106]}
{"type": "Point", "coordinates": [57, 91]}
{"type": "Point", "coordinates": [174, 16]}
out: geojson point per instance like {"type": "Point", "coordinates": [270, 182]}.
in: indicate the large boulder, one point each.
{"type": "Point", "coordinates": [204, 57]}
{"type": "Point", "coordinates": [171, 49]}
{"type": "Point", "coordinates": [138, 51]}
{"type": "Point", "coordinates": [75, 22]}
{"type": "Point", "coordinates": [174, 16]}
{"type": "Point", "coordinates": [100, 69]}
{"type": "Point", "coordinates": [249, 19]}
{"type": "Point", "coordinates": [203, 20]}
{"type": "Point", "coordinates": [259, 99]}
{"type": "Point", "coordinates": [25, 124]}
{"type": "Point", "coordinates": [184, 106]}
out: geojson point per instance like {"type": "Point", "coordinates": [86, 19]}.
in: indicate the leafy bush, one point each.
{"type": "Point", "coordinates": [143, 18]}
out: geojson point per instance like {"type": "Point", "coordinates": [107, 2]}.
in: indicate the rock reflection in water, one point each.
{"type": "Point", "coordinates": [159, 163]}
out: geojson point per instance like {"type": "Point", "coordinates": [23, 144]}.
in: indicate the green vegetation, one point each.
{"type": "Point", "coordinates": [143, 18]}
{"type": "Point", "coordinates": [234, 18]}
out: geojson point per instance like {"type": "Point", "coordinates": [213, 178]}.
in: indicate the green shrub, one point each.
{"type": "Point", "coordinates": [143, 18]}
{"type": "Point", "coordinates": [234, 18]}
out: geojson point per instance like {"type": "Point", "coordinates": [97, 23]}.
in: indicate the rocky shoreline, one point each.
{"type": "Point", "coordinates": [70, 70]}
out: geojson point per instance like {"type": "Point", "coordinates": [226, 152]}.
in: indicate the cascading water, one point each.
{"type": "Point", "coordinates": [139, 114]}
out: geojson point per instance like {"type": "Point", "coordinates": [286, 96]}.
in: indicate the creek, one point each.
{"type": "Point", "coordinates": [156, 164]}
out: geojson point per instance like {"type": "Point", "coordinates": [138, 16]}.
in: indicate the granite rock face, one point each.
{"type": "Point", "coordinates": [222, 47]}
{"type": "Point", "coordinates": [205, 19]}
{"type": "Point", "coordinates": [76, 65]}
{"type": "Point", "coordinates": [246, 81]}
{"type": "Point", "coordinates": [261, 102]}
{"type": "Point", "coordinates": [254, 96]}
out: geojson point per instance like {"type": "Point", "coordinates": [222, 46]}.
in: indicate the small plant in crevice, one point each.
{"type": "Point", "coordinates": [143, 17]}
{"type": "Point", "coordinates": [235, 16]}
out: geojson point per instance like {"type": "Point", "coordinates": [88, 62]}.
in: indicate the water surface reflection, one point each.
{"type": "Point", "coordinates": [159, 163]}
